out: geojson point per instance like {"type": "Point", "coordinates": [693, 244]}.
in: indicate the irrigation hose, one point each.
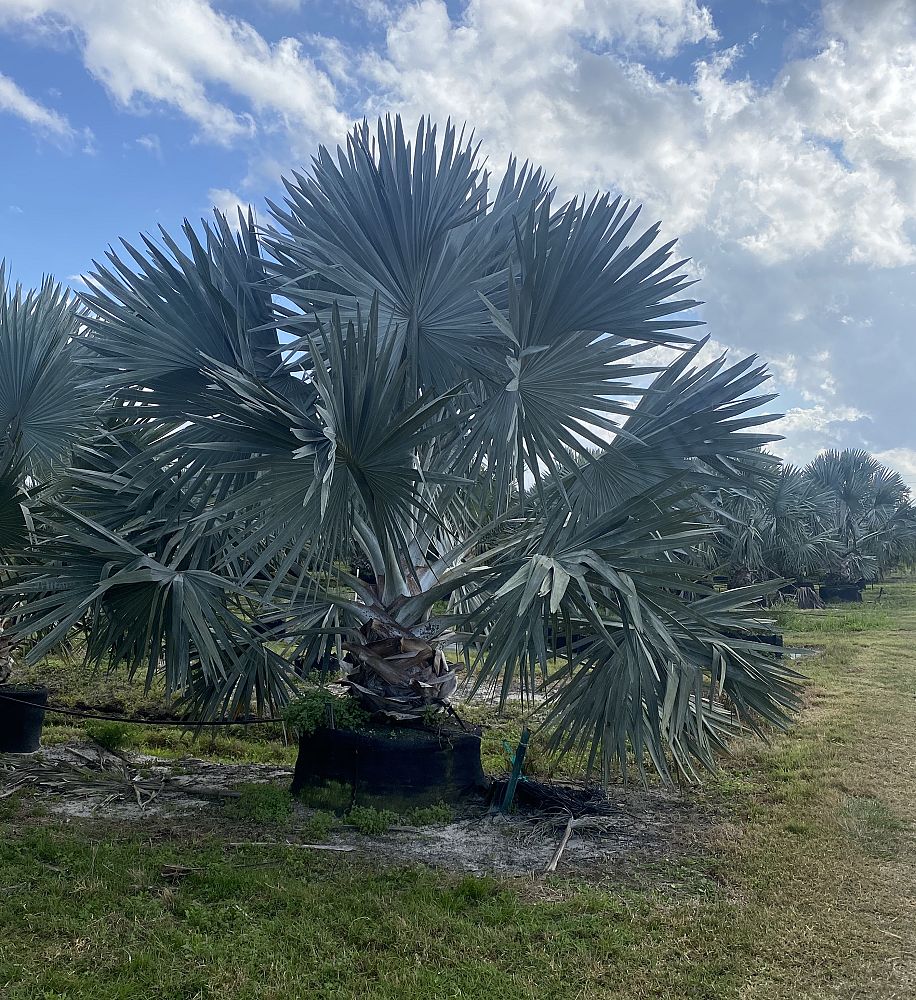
{"type": "Point", "coordinates": [137, 722]}
{"type": "Point", "coordinates": [159, 723]}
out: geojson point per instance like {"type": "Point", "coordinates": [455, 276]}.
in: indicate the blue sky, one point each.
{"type": "Point", "coordinates": [775, 138]}
{"type": "Point", "coordinates": [65, 202]}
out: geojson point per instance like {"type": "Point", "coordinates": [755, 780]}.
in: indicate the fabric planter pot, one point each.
{"type": "Point", "coordinates": [22, 714]}
{"type": "Point", "coordinates": [840, 592]}
{"type": "Point", "coordinates": [396, 767]}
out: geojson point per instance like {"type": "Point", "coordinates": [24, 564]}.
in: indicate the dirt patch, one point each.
{"type": "Point", "coordinates": [82, 783]}
{"type": "Point", "coordinates": [82, 780]}
{"type": "Point", "coordinates": [654, 826]}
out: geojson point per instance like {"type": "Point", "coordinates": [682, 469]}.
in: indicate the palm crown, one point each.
{"type": "Point", "coordinates": [447, 382]}
{"type": "Point", "coordinates": [868, 512]}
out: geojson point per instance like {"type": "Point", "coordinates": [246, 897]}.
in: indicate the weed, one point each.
{"type": "Point", "coordinates": [110, 735]}
{"type": "Point", "coordinates": [370, 821]}
{"type": "Point", "coordinates": [319, 825]}
{"type": "Point", "coordinates": [261, 803]}
{"type": "Point", "coordinates": [438, 815]}
{"type": "Point", "coordinates": [319, 708]}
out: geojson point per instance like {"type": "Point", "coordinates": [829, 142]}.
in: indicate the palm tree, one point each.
{"type": "Point", "coordinates": [774, 526]}
{"type": "Point", "coordinates": [46, 403]}
{"type": "Point", "coordinates": [871, 518]}
{"type": "Point", "coordinates": [446, 379]}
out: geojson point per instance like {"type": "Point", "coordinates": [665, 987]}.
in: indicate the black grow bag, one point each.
{"type": "Point", "coordinates": [396, 767]}
{"type": "Point", "coordinates": [557, 639]}
{"type": "Point", "coordinates": [20, 723]}
{"type": "Point", "coordinates": [840, 592]}
{"type": "Point", "coordinates": [770, 638]}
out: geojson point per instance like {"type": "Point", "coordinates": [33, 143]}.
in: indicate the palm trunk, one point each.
{"type": "Point", "coordinates": [398, 674]}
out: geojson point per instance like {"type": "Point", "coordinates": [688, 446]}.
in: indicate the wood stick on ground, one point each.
{"type": "Point", "coordinates": [278, 843]}
{"type": "Point", "coordinates": [573, 823]}
{"type": "Point", "coordinates": [561, 847]}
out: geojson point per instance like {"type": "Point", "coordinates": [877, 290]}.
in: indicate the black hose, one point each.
{"type": "Point", "coordinates": [137, 722]}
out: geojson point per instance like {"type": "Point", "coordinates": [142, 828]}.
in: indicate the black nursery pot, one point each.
{"type": "Point", "coordinates": [20, 724]}
{"type": "Point", "coordinates": [392, 767]}
{"type": "Point", "coordinates": [770, 638]}
{"type": "Point", "coordinates": [558, 639]}
{"type": "Point", "coordinates": [840, 592]}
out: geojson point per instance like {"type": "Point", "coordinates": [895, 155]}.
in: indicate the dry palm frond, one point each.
{"type": "Point", "coordinates": [103, 777]}
{"type": "Point", "coordinates": [87, 777]}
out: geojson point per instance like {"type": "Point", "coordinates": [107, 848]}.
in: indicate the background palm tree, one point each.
{"type": "Point", "coordinates": [46, 404]}
{"type": "Point", "coordinates": [775, 525]}
{"type": "Point", "coordinates": [871, 518]}
{"type": "Point", "coordinates": [447, 378]}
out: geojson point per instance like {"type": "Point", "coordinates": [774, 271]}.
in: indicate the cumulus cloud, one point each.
{"type": "Point", "coordinates": [186, 54]}
{"type": "Point", "coordinates": [711, 351]}
{"type": "Point", "coordinates": [795, 198]}
{"type": "Point", "coordinates": [659, 26]}
{"type": "Point", "coordinates": [228, 202]}
{"type": "Point", "coordinates": [751, 166]}
{"type": "Point", "coordinates": [810, 429]}
{"type": "Point", "coordinates": [901, 459]}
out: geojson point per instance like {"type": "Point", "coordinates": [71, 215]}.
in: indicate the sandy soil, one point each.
{"type": "Point", "coordinates": [87, 785]}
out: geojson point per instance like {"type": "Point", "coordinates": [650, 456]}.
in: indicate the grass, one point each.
{"type": "Point", "coordinates": [271, 924]}
{"type": "Point", "coordinates": [115, 693]}
{"type": "Point", "coordinates": [836, 619]}
{"type": "Point", "coordinates": [801, 885]}
{"type": "Point", "coordinates": [261, 802]}
{"type": "Point", "coordinates": [872, 823]}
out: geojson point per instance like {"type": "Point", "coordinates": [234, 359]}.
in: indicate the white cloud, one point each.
{"type": "Point", "coordinates": [374, 10]}
{"type": "Point", "coordinates": [709, 352]}
{"type": "Point", "coordinates": [16, 101]}
{"type": "Point", "coordinates": [809, 430]}
{"type": "Point", "coordinates": [902, 460]}
{"type": "Point", "coordinates": [816, 418]}
{"type": "Point", "coordinates": [228, 202]}
{"type": "Point", "coordinates": [215, 69]}
{"type": "Point", "coordinates": [151, 144]}
{"type": "Point", "coordinates": [858, 90]}
{"type": "Point", "coordinates": [798, 214]}
{"type": "Point", "coordinates": [659, 26]}
{"type": "Point", "coordinates": [751, 166]}
{"type": "Point", "coordinates": [808, 374]}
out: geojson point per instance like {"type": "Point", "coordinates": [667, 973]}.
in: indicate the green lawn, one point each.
{"type": "Point", "coordinates": [798, 883]}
